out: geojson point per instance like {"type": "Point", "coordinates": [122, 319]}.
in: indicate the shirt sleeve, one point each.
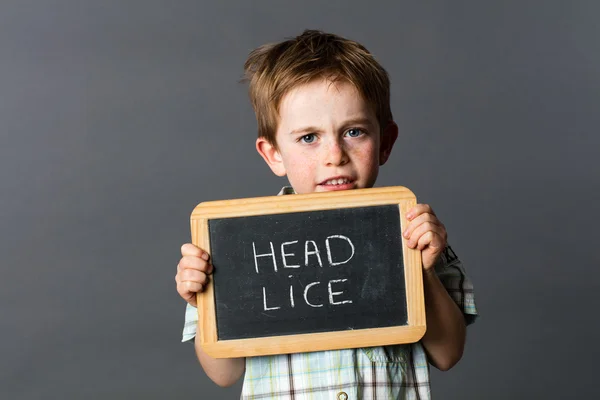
{"type": "Point", "coordinates": [191, 322]}
{"type": "Point", "coordinates": [452, 275]}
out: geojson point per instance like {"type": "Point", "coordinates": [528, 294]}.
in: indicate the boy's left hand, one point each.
{"type": "Point", "coordinates": [426, 233]}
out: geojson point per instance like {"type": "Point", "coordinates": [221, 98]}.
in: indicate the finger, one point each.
{"type": "Point", "coordinates": [188, 291]}
{"type": "Point", "coordinates": [189, 249]}
{"type": "Point", "coordinates": [193, 275]}
{"type": "Point", "coordinates": [418, 210]}
{"type": "Point", "coordinates": [190, 282]}
{"type": "Point", "coordinates": [426, 217]}
{"type": "Point", "coordinates": [191, 299]}
{"type": "Point", "coordinates": [431, 241]}
{"type": "Point", "coordinates": [422, 229]}
{"type": "Point", "coordinates": [193, 262]}
{"type": "Point", "coordinates": [431, 246]}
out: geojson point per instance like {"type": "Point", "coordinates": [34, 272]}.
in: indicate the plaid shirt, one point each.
{"type": "Point", "coordinates": [385, 372]}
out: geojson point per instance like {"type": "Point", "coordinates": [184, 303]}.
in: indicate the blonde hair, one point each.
{"type": "Point", "coordinates": [272, 70]}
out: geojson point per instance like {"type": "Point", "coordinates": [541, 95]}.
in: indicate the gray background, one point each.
{"type": "Point", "coordinates": [118, 117]}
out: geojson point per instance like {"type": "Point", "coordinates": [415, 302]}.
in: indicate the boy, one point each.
{"type": "Point", "coordinates": [324, 121]}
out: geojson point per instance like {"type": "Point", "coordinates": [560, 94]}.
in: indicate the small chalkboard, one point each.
{"type": "Point", "coordinates": [309, 272]}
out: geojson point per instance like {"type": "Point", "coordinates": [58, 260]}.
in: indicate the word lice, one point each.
{"type": "Point", "coordinates": [305, 295]}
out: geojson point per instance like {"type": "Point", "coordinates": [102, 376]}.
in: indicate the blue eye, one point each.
{"type": "Point", "coordinates": [354, 132]}
{"type": "Point", "coordinates": [308, 138]}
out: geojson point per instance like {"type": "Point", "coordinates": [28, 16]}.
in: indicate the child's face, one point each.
{"type": "Point", "coordinates": [328, 139]}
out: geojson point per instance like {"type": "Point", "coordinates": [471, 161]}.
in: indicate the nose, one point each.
{"type": "Point", "coordinates": [335, 153]}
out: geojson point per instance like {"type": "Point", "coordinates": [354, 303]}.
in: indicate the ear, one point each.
{"type": "Point", "coordinates": [388, 138]}
{"type": "Point", "coordinates": [271, 156]}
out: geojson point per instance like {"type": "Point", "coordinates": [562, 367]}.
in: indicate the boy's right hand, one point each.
{"type": "Point", "coordinates": [192, 272]}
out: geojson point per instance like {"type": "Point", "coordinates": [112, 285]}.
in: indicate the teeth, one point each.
{"type": "Point", "coordinates": [337, 181]}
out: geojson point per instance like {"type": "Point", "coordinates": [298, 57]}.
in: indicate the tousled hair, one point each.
{"type": "Point", "coordinates": [272, 70]}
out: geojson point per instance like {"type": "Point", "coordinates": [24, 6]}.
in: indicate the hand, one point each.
{"type": "Point", "coordinates": [426, 233]}
{"type": "Point", "coordinates": [192, 272]}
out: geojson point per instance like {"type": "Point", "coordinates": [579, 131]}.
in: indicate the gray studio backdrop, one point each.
{"type": "Point", "coordinates": [118, 117]}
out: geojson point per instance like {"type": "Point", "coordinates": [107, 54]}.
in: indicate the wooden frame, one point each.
{"type": "Point", "coordinates": [207, 326]}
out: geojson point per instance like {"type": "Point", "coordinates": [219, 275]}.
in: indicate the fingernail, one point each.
{"type": "Point", "coordinates": [405, 234]}
{"type": "Point", "coordinates": [204, 256]}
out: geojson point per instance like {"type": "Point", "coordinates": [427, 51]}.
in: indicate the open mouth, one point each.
{"type": "Point", "coordinates": [338, 183]}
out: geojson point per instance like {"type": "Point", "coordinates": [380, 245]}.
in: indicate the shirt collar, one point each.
{"type": "Point", "coordinates": [286, 190]}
